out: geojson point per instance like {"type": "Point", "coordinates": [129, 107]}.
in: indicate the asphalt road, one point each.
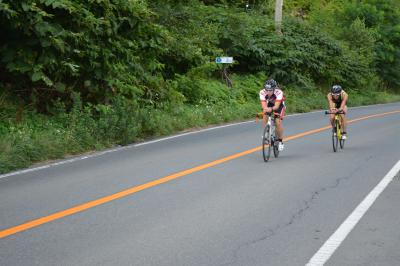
{"type": "Point", "coordinates": [207, 198]}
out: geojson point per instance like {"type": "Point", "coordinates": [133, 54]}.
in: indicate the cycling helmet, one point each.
{"type": "Point", "coordinates": [336, 89]}
{"type": "Point", "coordinates": [270, 84]}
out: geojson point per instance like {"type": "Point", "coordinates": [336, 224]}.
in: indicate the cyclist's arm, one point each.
{"type": "Point", "coordinates": [344, 101]}
{"type": "Point", "coordinates": [331, 104]}
{"type": "Point", "coordinates": [276, 106]}
{"type": "Point", "coordinates": [264, 103]}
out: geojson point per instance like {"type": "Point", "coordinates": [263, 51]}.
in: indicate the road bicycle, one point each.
{"type": "Point", "coordinates": [269, 139]}
{"type": "Point", "coordinates": [337, 131]}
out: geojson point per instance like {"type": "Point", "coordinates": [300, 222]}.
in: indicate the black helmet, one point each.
{"type": "Point", "coordinates": [336, 89]}
{"type": "Point", "coordinates": [270, 84]}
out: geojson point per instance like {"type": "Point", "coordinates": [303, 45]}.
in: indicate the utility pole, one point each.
{"type": "Point", "coordinates": [278, 16]}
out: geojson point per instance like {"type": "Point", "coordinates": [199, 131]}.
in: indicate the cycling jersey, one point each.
{"type": "Point", "coordinates": [339, 100]}
{"type": "Point", "coordinates": [278, 96]}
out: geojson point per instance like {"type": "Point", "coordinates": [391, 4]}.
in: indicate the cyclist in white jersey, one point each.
{"type": "Point", "coordinates": [273, 102]}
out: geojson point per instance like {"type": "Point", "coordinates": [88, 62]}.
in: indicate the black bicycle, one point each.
{"type": "Point", "coordinates": [337, 131]}
{"type": "Point", "coordinates": [269, 140]}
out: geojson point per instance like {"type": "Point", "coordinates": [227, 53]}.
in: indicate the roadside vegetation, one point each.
{"type": "Point", "coordinates": [79, 76]}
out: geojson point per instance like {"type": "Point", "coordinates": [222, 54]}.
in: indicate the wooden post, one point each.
{"type": "Point", "coordinates": [278, 16]}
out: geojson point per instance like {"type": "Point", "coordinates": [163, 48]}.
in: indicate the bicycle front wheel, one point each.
{"type": "Point", "coordinates": [341, 141]}
{"type": "Point", "coordinates": [334, 140]}
{"type": "Point", "coordinates": [275, 144]}
{"type": "Point", "coordinates": [266, 143]}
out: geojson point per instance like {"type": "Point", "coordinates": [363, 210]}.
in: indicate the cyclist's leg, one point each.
{"type": "Point", "coordinates": [278, 128]}
{"type": "Point", "coordinates": [332, 120]}
{"type": "Point", "coordinates": [279, 114]}
{"type": "Point", "coordinates": [279, 132]}
{"type": "Point", "coordinates": [344, 121]}
{"type": "Point", "coordinates": [332, 116]}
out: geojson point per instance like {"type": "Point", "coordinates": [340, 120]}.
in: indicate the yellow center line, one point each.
{"type": "Point", "coordinates": [132, 190]}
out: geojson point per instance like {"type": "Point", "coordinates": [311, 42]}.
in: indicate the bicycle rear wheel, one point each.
{"type": "Point", "coordinates": [266, 143]}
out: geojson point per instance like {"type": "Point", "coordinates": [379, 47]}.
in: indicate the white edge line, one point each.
{"type": "Point", "coordinates": [97, 154]}
{"type": "Point", "coordinates": [334, 241]}
{"type": "Point", "coordinates": [189, 133]}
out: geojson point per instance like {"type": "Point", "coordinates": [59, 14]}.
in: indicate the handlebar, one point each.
{"type": "Point", "coordinates": [334, 113]}
{"type": "Point", "coordinates": [260, 115]}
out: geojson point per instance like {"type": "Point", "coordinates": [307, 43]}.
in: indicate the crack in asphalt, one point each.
{"type": "Point", "coordinates": [296, 216]}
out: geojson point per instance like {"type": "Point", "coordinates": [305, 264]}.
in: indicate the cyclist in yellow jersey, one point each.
{"type": "Point", "coordinates": [337, 99]}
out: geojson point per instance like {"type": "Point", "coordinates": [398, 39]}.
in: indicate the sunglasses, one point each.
{"type": "Point", "coordinates": [335, 94]}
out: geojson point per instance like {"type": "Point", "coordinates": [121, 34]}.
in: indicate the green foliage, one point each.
{"type": "Point", "coordinates": [149, 52]}
{"type": "Point", "coordinates": [366, 26]}
{"type": "Point", "coordinates": [193, 39]}
{"type": "Point", "coordinates": [96, 48]}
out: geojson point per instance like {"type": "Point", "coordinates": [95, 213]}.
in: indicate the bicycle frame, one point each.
{"type": "Point", "coordinates": [271, 122]}
{"type": "Point", "coordinates": [270, 139]}
{"type": "Point", "coordinates": [337, 131]}
{"type": "Point", "coordinates": [338, 126]}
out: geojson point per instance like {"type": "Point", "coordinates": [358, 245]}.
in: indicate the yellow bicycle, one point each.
{"type": "Point", "coordinates": [337, 131]}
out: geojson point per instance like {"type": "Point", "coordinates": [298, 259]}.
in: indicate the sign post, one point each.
{"type": "Point", "coordinates": [224, 72]}
{"type": "Point", "coordinates": [224, 60]}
